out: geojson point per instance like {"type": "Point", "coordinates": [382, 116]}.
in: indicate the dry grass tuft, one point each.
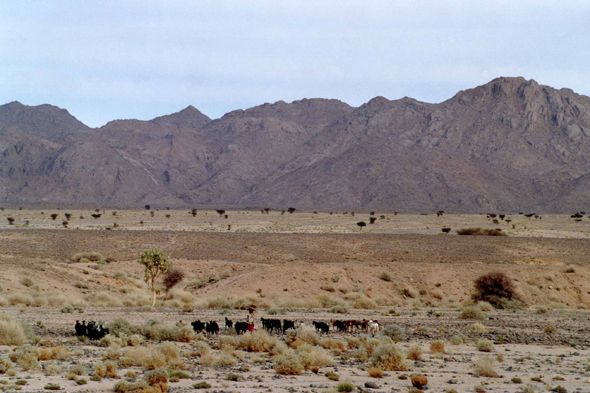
{"type": "Point", "coordinates": [484, 367]}
{"type": "Point", "coordinates": [11, 332]}
{"type": "Point", "coordinates": [437, 347]}
{"type": "Point", "coordinates": [485, 345]}
{"type": "Point", "coordinates": [25, 356]}
{"type": "Point", "coordinates": [258, 341]}
{"type": "Point", "coordinates": [478, 328]}
{"type": "Point", "coordinates": [288, 363]}
{"type": "Point", "coordinates": [375, 372]}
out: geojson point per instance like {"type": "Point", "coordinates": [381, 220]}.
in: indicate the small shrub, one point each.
{"type": "Point", "coordinates": [67, 309]}
{"type": "Point", "coordinates": [389, 357]}
{"type": "Point", "coordinates": [52, 386]}
{"type": "Point", "coordinates": [11, 332]}
{"type": "Point", "coordinates": [385, 276]}
{"type": "Point", "coordinates": [485, 345]}
{"type": "Point", "coordinates": [528, 389]}
{"type": "Point", "coordinates": [414, 353]}
{"type": "Point", "coordinates": [457, 339]}
{"type": "Point", "coordinates": [172, 278]}
{"type": "Point", "coordinates": [202, 385]}
{"type": "Point", "coordinates": [5, 365]}
{"type": "Point", "coordinates": [484, 367]}
{"type": "Point", "coordinates": [375, 372]}
{"type": "Point", "coordinates": [25, 356]}
{"type": "Point", "coordinates": [339, 309]}
{"type": "Point", "coordinates": [332, 376]}
{"type": "Point", "coordinates": [288, 363]}
{"type": "Point", "coordinates": [88, 256]}
{"type": "Point", "coordinates": [550, 329]}
{"type": "Point", "coordinates": [516, 380]}
{"type": "Point", "coordinates": [473, 312]}
{"type": "Point", "coordinates": [559, 389]}
{"type": "Point", "coordinates": [345, 387]}
{"type": "Point", "coordinates": [478, 328]}
{"type": "Point", "coordinates": [542, 310]}
{"type": "Point", "coordinates": [27, 282]}
{"type": "Point", "coordinates": [395, 332]}
{"type": "Point", "coordinates": [480, 232]}
{"type": "Point", "coordinates": [495, 288]}
{"type": "Point", "coordinates": [233, 377]}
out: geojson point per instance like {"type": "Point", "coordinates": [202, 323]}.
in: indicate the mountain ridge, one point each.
{"type": "Point", "coordinates": [508, 145]}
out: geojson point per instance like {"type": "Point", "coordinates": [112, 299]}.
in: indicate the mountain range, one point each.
{"type": "Point", "coordinates": [510, 145]}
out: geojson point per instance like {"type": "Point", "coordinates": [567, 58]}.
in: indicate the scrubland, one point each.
{"type": "Point", "coordinates": [418, 282]}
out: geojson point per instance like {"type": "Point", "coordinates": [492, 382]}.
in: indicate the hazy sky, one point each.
{"type": "Point", "coordinates": [105, 60]}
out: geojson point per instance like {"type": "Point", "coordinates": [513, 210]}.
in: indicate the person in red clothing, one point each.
{"type": "Point", "coordinates": [250, 319]}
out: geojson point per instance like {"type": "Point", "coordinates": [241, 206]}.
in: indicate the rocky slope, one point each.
{"type": "Point", "coordinates": [509, 145]}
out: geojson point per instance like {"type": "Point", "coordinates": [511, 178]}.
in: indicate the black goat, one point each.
{"type": "Point", "coordinates": [321, 327]}
{"type": "Point", "coordinates": [228, 323]}
{"type": "Point", "coordinates": [92, 330]}
{"type": "Point", "coordinates": [288, 325]}
{"type": "Point", "coordinates": [198, 326]}
{"type": "Point", "coordinates": [272, 324]}
{"type": "Point", "coordinates": [241, 328]}
{"type": "Point", "coordinates": [212, 327]}
{"type": "Point", "coordinates": [80, 328]}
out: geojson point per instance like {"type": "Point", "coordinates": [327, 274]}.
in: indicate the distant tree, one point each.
{"type": "Point", "coordinates": [440, 213]}
{"type": "Point", "coordinates": [167, 215]}
{"type": "Point", "coordinates": [372, 213]}
{"type": "Point", "coordinates": [372, 220]}
{"type": "Point", "coordinates": [266, 210]}
{"type": "Point", "coordinates": [291, 210]}
{"type": "Point", "coordinates": [220, 212]}
{"type": "Point", "coordinates": [96, 215]}
{"type": "Point", "coordinates": [361, 224]}
{"type": "Point", "coordinates": [10, 220]}
{"type": "Point", "coordinates": [194, 212]}
{"type": "Point", "coordinates": [114, 213]}
{"type": "Point", "coordinates": [152, 213]}
{"type": "Point", "coordinates": [53, 216]}
{"type": "Point", "coordinates": [65, 224]}
{"type": "Point", "coordinates": [446, 230]}
{"type": "Point", "coordinates": [68, 216]}
{"type": "Point", "coordinates": [155, 263]}
{"type": "Point", "coordinates": [147, 207]}
{"type": "Point", "coordinates": [502, 216]}
{"type": "Point", "coordinates": [97, 210]}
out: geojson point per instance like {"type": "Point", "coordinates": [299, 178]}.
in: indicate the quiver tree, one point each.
{"type": "Point", "coordinates": [361, 224]}
{"type": "Point", "coordinates": [10, 220]}
{"type": "Point", "coordinates": [220, 212]}
{"type": "Point", "coordinates": [155, 263]}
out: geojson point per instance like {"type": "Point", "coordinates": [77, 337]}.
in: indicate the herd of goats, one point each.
{"type": "Point", "coordinates": [96, 331]}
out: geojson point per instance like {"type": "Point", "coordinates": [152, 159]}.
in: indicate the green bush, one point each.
{"type": "Point", "coordinates": [345, 387]}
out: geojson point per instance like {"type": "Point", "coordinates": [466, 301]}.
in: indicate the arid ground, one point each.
{"type": "Point", "coordinates": [401, 270]}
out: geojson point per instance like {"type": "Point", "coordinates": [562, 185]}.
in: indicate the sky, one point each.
{"type": "Point", "coordinates": [120, 59]}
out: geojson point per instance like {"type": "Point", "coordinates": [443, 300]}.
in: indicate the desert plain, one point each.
{"type": "Point", "coordinates": [401, 271]}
